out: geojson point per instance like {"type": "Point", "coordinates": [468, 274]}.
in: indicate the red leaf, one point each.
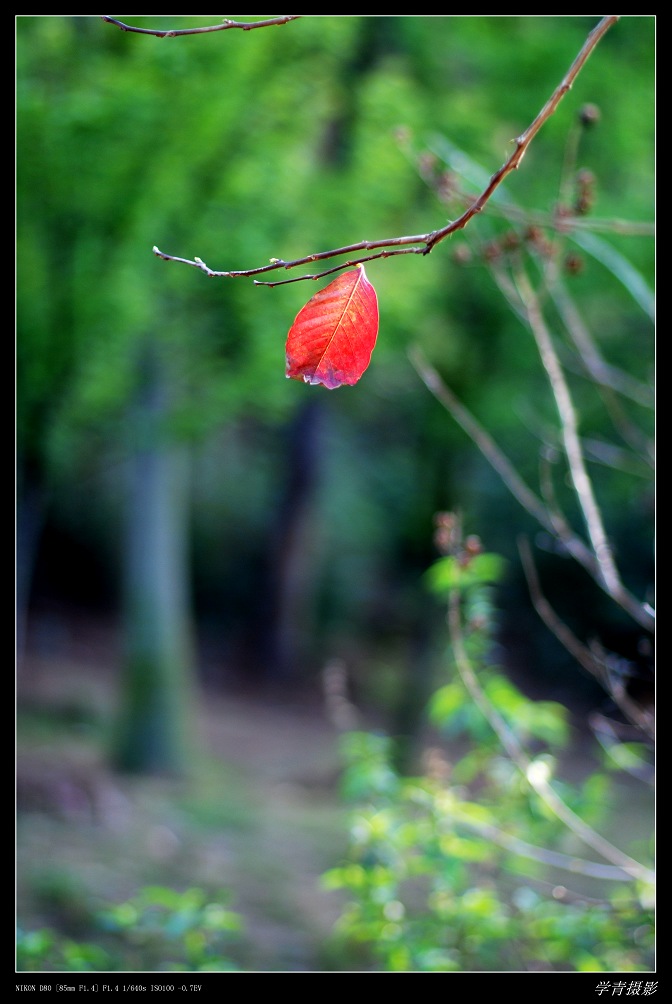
{"type": "Point", "coordinates": [333, 336]}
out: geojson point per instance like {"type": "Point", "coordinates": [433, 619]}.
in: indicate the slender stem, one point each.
{"type": "Point", "coordinates": [583, 655]}
{"type": "Point", "coordinates": [537, 781]}
{"type": "Point", "coordinates": [608, 575]}
{"type": "Point", "coordinates": [551, 521]}
{"type": "Point", "coordinates": [278, 263]}
{"type": "Point", "coordinates": [523, 141]}
{"type": "Point", "coordinates": [567, 637]}
{"type": "Point", "coordinates": [224, 26]}
{"type": "Point", "coordinates": [555, 859]}
{"type": "Point", "coordinates": [426, 241]}
{"type": "Point", "coordinates": [599, 371]}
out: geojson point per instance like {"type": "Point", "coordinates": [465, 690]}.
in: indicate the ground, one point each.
{"type": "Point", "coordinates": [260, 821]}
{"type": "Point", "coordinates": [257, 826]}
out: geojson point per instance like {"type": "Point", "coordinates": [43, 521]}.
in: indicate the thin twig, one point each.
{"type": "Point", "coordinates": [608, 575]}
{"type": "Point", "coordinates": [277, 263]}
{"type": "Point", "coordinates": [523, 141]}
{"type": "Point", "coordinates": [345, 716]}
{"type": "Point", "coordinates": [583, 655]}
{"type": "Point", "coordinates": [612, 744]}
{"type": "Point", "coordinates": [530, 217]}
{"type": "Point", "coordinates": [552, 522]}
{"type": "Point", "coordinates": [534, 777]}
{"type": "Point", "coordinates": [628, 228]}
{"type": "Point", "coordinates": [427, 242]}
{"type": "Point", "coordinates": [224, 26]}
{"type": "Point", "coordinates": [556, 859]}
{"type": "Point", "coordinates": [609, 380]}
{"type": "Point", "coordinates": [629, 460]}
{"type": "Point", "coordinates": [557, 519]}
{"type": "Point", "coordinates": [600, 372]}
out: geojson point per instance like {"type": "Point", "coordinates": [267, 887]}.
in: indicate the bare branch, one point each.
{"type": "Point", "coordinates": [629, 228]}
{"type": "Point", "coordinates": [277, 263]}
{"type": "Point", "coordinates": [551, 521]}
{"type": "Point", "coordinates": [450, 193]}
{"type": "Point", "coordinates": [610, 382]}
{"type": "Point", "coordinates": [345, 717]}
{"type": "Point", "coordinates": [427, 241]}
{"type": "Point", "coordinates": [224, 26]}
{"type": "Point", "coordinates": [556, 859]}
{"type": "Point", "coordinates": [523, 141]}
{"type": "Point", "coordinates": [537, 780]}
{"type": "Point", "coordinates": [600, 372]}
{"type": "Point", "coordinates": [583, 655]}
{"type": "Point", "coordinates": [608, 575]}
{"type": "Point", "coordinates": [609, 736]}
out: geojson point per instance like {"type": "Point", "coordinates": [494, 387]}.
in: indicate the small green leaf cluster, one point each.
{"type": "Point", "coordinates": [45, 951]}
{"type": "Point", "coordinates": [158, 930]}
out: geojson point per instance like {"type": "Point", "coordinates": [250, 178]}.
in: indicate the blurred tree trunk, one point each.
{"type": "Point", "coordinates": [155, 728]}
{"type": "Point", "coordinates": [287, 620]}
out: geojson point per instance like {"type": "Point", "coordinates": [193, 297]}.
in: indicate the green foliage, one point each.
{"type": "Point", "coordinates": [45, 951]}
{"type": "Point", "coordinates": [281, 142]}
{"type": "Point", "coordinates": [448, 573]}
{"type": "Point", "coordinates": [460, 868]}
{"type": "Point", "coordinates": [430, 890]}
{"type": "Point", "coordinates": [158, 930]}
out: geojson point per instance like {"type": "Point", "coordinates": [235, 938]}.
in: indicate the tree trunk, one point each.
{"type": "Point", "coordinates": [154, 733]}
{"type": "Point", "coordinates": [287, 623]}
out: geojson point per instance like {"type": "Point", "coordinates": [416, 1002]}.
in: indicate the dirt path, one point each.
{"type": "Point", "coordinates": [261, 820]}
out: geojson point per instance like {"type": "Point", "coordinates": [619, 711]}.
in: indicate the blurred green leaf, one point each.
{"type": "Point", "coordinates": [449, 573]}
{"type": "Point", "coordinates": [446, 702]}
